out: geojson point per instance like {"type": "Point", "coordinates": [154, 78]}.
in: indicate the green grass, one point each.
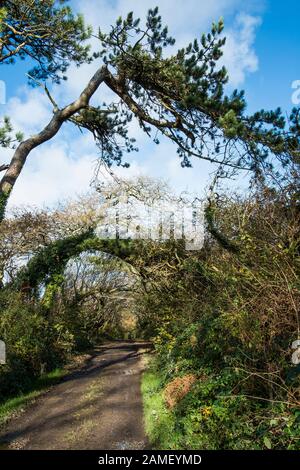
{"type": "Point", "coordinates": [10, 406]}
{"type": "Point", "coordinates": [159, 421]}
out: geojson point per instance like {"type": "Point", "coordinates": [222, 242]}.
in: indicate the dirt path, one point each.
{"type": "Point", "coordinates": [96, 407]}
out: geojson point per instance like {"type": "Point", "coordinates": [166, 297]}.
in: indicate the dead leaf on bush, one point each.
{"type": "Point", "coordinates": [177, 389]}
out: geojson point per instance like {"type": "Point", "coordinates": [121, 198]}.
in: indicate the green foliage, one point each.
{"type": "Point", "coordinates": [222, 320]}
{"type": "Point", "coordinates": [53, 287]}
{"type": "Point", "coordinates": [6, 139]}
{"type": "Point", "coordinates": [210, 417]}
{"type": "Point", "coordinates": [230, 124]}
{"type": "Point", "coordinates": [184, 93]}
{"type": "Point", "coordinates": [109, 129]}
{"type": "Point", "coordinates": [34, 343]}
{"type": "Point", "coordinates": [9, 406]}
{"type": "Point", "coordinates": [229, 317]}
{"type": "Point", "coordinates": [40, 324]}
{"type": "Point", "coordinates": [179, 96]}
{"type": "Point", "coordinates": [217, 234]}
{"type": "Point", "coordinates": [3, 204]}
{"type": "Point", "coordinates": [46, 267]}
{"type": "Point", "coordinates": [50, 262]}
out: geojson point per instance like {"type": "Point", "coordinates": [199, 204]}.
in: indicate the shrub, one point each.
{"type": "Point", "coordinates": [229, 318]}
{"type": "Point", "coordinates": [34, 343]}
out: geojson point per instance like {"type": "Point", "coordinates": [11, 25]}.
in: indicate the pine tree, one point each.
{"type": "Point", "coordinates": [180, 96]}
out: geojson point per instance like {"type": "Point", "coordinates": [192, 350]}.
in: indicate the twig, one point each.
{"type": "Point", "coordinates": [4, 167]}
{"type": "Point", "coordinates": [42, 85]}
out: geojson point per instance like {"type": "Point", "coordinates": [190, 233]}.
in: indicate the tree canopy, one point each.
{"type": "Point", "coordinates": [180, 96]}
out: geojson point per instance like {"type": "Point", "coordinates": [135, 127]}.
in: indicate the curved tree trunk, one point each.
{"type": "Point", "coordinates": [60, 116]}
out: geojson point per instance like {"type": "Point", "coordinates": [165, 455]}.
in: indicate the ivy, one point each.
{"type": "Point", "coordinates": [216, 233]}
{"type": "Point", "coordinates": [48, 265]}
{"type": "Point", "coordinates": [3, 203]}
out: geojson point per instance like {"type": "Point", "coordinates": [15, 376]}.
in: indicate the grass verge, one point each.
{"type": "Point", "coordinates": [11, 406]}
{"type": "Point", "coordinates": [159, 421]}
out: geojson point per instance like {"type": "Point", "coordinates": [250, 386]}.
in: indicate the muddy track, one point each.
{"type": "Point", "coordinates": [98, 406]}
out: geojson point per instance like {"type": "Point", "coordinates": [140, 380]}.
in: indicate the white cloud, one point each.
{"type": "Point", "coordinates": [239, 55]}
{"type": "Point", "coordinates": [30, 110]}
{"type": "Point", "coordinates": [179, 15]}
{"type": "Point", "coordinates": [51, 175]}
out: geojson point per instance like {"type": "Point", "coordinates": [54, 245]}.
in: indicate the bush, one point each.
{"type": "Point", "coordinates": [34, 343]}
{"type": "Point", "coordinates": [229, 318]}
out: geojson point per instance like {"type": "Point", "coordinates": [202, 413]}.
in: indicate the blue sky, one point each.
{"type": "Point", "coordinates": [277, 47]}
{"type": "Point", "coordinates": [262, 56]}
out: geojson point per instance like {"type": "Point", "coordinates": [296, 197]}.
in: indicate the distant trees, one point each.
{"type": "Point", "coordinates": [229, 319]}
{"type": "Point", "coordinates": [61, 288]}
{"type": "Point", "coordinates": [180, 96]}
